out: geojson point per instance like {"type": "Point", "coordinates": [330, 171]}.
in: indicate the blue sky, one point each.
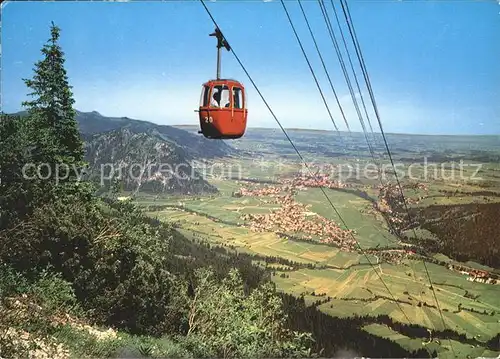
{"type": "Point", "coordinates": [433, 64]}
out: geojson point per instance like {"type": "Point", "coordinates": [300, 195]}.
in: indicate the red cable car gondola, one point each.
{"type": "Point", "coordinates": [222, 112]}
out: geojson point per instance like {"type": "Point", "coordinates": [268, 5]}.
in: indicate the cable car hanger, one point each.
{"type": "Point", "coordinates": [307, 167]}
{"type": "Point", "coordinates": [222, 111]}
{"type": "Point", "coordinates": [221, 42]}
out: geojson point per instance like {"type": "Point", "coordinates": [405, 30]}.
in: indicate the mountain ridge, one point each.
{"type": "Point", "coordinates": [143, 161]}
{"type": "Point", "coordinates": [155, 158]}
{"type": "Point", "coordinates": [196, 146]}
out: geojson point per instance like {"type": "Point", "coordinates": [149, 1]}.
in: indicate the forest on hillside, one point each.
{"type": "Point", "coordinates": [92, 276]}
{"type": "Point", "coordinates": [74, 264]}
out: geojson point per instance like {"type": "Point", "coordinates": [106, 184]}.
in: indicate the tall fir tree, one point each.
{"type": "Point", "coordinates": [54, 130]}
{"type": "Point", "coordinates": [55, 144]}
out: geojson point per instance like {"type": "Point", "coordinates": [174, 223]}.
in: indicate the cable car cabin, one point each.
{"type": "Point", "coordinates": [223, 112]}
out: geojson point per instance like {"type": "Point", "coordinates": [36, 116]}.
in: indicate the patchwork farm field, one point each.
{"type": "Point", "coordinates": [349, 284]}
{"type": "Point", "coordinates": [264, 212]}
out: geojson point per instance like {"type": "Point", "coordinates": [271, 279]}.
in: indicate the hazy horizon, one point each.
{"type": "Point", "coordinates": [432, 65]}
{"type": "Point", "coordinates": [250, 127]}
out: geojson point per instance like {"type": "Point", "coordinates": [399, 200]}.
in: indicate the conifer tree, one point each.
{"type": "Point", "coordinates": [14, 194]}
{"type": "Point", "coordinates": [54, 130]}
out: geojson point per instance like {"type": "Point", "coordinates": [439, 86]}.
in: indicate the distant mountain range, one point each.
{"type": "Point", "coordinates": [195, 146]}
{"type": "Point", "coordinates": [137, 149]}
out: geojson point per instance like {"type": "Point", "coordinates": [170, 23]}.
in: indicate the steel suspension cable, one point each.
{"type": "Point", "coordinates": [339, 55]}
{"type": "Point", "coordinates": [346, 75]}
{"type": "Point", "coordinates": [308, 169]}
{"type": "Point", "coordinates": [348, 18]}
{"type": "Point", "coordinates": [310, 66]}
{"type": "Point", "coordinates": [352, 95]}
{"type": "Point", "coordinates": [334, 92]}
{"type": "Point", "coordinates": [324, 65]}
{"type": "Point", "coordinates": [352, 68]}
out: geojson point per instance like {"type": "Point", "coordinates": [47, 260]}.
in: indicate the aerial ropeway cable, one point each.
{"type": "Point", "coordinates": [310, 68]}
{"type": "Point", "coordinates": [348, 18]}
{"type": "Point", "coordinates": [339, 55]}
{"type": "Point", "coordinates": [351, 65]}
{"type": "Point", "coordinates": [365, 74]}
{"type": "Point", "coordinates": [324, 66]}
{"type": "Point", "coordinates": [346, 75]}
{"type": "Point", "coordinates": [329, 26]}
{"type": "Point", "coordinates": [310, 172]}
{"type": "Point", "coordinates": [333, 38]}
